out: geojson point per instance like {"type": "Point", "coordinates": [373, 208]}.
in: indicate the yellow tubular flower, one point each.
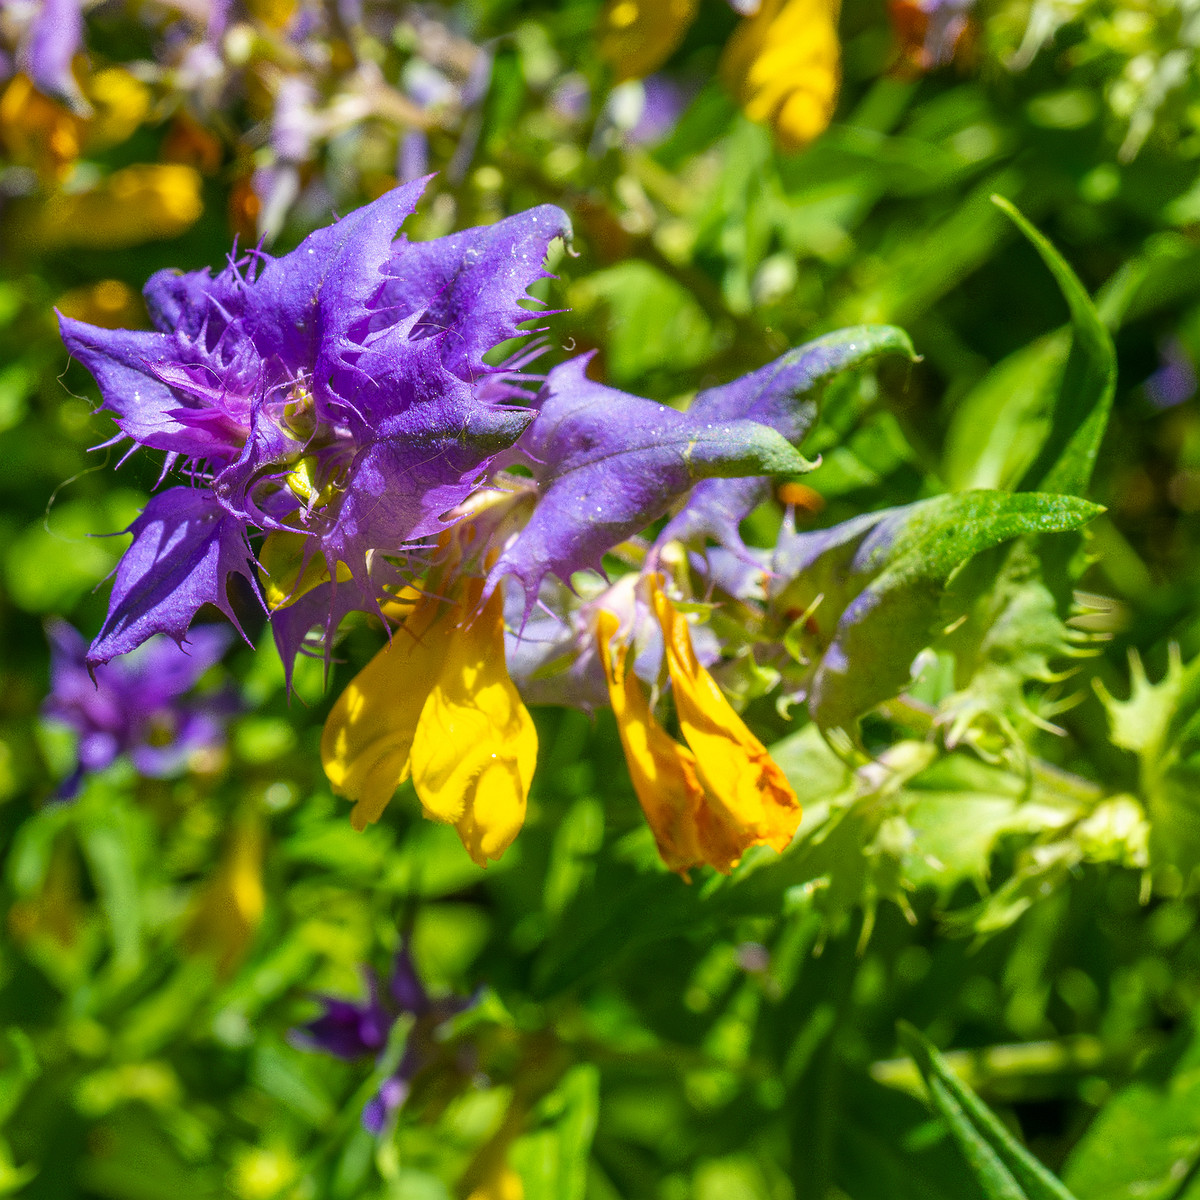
{"type": "Point", "coordinates": [750, 800]}
{"type": "Point", "coordinates": [663, 772]}
{"type": "Point", "coordinates": [368, 736]}
{"type": "Point", "coordinates": [438, 704]}
{"type": "Point", "coordinates": [230, 907]}
{"type": "Point", "coordinates": [638, 36]}
{"type": "Point", "coordinates": [783, 66]}
{"type": "Point", "coordinates": [475, 747]}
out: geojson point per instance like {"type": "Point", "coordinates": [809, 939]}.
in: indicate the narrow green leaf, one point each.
{"type": "Point", "coordinates": [1005, 1169]}
{"type": "Point", "coordinates": [1089, 380]}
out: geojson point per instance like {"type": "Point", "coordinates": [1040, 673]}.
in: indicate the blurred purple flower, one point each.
{"type": "Point", "coordinates": [642, 112]}
{"type": "Point", "coordinates": [571, 97]}
{"type": "Point", "coordinates": [948, 21]}
{"type": "Point", "coordinates": [136, 706]}
{"type": "Point", "coordinates": [663, 105]}
{"type": "Point", "coordinates": [352, 1031]}
{"type": "Point", "coordinates": [54, 37]}
{"type": "Point", "coordinates": [1175, 380]}
{"type": "Point", "coordinates": [412, 159]}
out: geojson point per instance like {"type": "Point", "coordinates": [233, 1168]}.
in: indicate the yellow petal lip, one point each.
{"type": "Point", "coordinates": [662, 771]}
{"type": "Point", "coordinates": [475, 747]}
{"type": "Point", "coordinates": [368, 735]}
{"type": "Point", "coordinates": [749, 795]}
{"type": "Point", "coordinates": [438, 704]}
{"type": "Point", "coordinates": [711, 800]}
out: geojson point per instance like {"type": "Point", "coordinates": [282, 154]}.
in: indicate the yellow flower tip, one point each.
{"type": "Point", "coordinates": [662, 771]}
{"type": "Point", "coordinates": [437, 703]}
{"type": "Point", "coordinates": [783, 65]}
{"type": "Point", "coordinates": [474, 749]}
{"type": "Point", "coordinates": [750, 799]}
{"type": "Point", "coordinates": [637, 36]}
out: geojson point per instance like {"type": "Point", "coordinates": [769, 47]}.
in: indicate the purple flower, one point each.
{"type": "Point", "coordinates": [605, 464]}
{"type": "Point", "coordinates": [54, 37]}
{"type": "Point", "coordinates": [336, 399]}
{"type": "Point", "coordinates": [1175, 380]}
{"type": "Point", "coordinates": [136, 706]}
{"type": "Point", "coordinates": [353, 1031]}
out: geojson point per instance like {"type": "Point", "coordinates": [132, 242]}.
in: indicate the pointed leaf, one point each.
{"type": "Point", "coordinates": [785, 395]}
{"type": "Point", "coordinates": [1002, 1165]}
{"type": "Point", "coordinates": [608, 463]}
{"type": "Point", "coordinates": [1089, 381]}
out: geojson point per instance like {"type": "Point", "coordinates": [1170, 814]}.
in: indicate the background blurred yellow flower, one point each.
{"type": "Point", "coordinates": [783, 66]}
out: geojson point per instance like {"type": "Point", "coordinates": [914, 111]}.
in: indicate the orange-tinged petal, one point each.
{"type": "Point", "coordinates": [663, 772]}
{"type": "Point", "coordinates": [638, 36]}
{"type": "Point", "coordinates": [751, 801]}
{"type": "Point", "coordinates": [475, 746]}
{"type": "Point", "coordinates": [368, 735]}
{"type": "Point", "coordinates": [783, 66]}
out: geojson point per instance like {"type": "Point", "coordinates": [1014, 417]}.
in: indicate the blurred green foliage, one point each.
{"type": "Point", "coordinates": [1004, 856]}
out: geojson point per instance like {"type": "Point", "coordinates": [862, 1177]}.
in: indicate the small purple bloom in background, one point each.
{"type": "Point", "coordinates": [54, 37]}
{"type": "Point", "coordinates": [351, 1031]}
{"type": "Point", "coordinates": [136, 706]}
{"type": "Point", "coordinates": [571, 97]}
{"type": "Point", "coordinates": [642, 112]}
{"type": "Point", "coordinates": [1175, 380]}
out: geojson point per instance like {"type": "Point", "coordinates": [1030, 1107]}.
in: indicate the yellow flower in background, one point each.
{"type": "Point", "coordinates": [638, 36]}
{"type": "Point", "coordinates": [710, 801]}
{"type": "Point", "coordinates": [783, 66]}
{"type": "Point", "coordinates": [437, 704]}
{"type": "Point", "coordinates": [503, 1184]}
{"type": "Point", "coordinates": [39, 132]}
{"type": "Point", "coordinates": [56, 911]}
{"type": "Point", "coordinates": [120, 105]}
{"type": "Point", "coordinates": [230, 907]}
{"type": "Point", "coordinates": [137, 204]}
{"type": "Point", "coordinates": [108, 303]}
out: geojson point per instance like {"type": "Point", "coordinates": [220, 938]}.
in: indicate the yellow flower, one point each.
{"type": "Point", "coordinates": [503, 1184]}
{"type": "Point", "coordinates": [136, 204]}
{"type": "Point", "coordinates": [710, 801]}
{"type": "Point", "coordinates": [38, 131]}
{"type": "Point", "coordinates": [108, 303]}
{"type": "Point", "coordinates": [437, 704]}
{"type": "Point", "coordinates": [638, 36]}
{"type": "Point", "coordinates": [44, 134]}
{"type": "Point", "coordinates": [230, 906]}
{"type": "Point", "coordinates": [783, 65]}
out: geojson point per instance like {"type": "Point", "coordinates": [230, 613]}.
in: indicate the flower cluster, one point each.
{"type": "Point", "coordinates": [346, 441]}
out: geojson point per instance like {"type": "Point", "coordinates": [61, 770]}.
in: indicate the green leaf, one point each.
{"type": "Point", "coordinates": [881, 581]}
{"type": "Point", "coordinates": [1004, 1168]}
{"type": "Point", "coordinates": [1143, 1141]}
{"type": "Point", "coordinates": [553, 1159]}
{"type": "Point", "coordinates": [1084, 400]}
